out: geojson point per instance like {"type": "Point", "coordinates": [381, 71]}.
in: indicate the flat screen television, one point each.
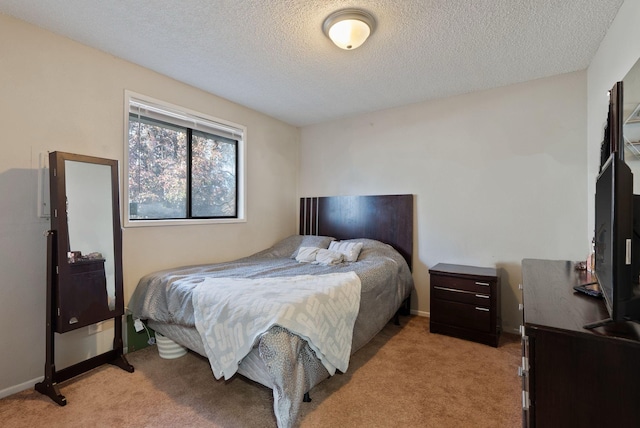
{"type": "Point", "coordinates": [615, 262]}
{"type": "Point", "coordinates": [617, 226]}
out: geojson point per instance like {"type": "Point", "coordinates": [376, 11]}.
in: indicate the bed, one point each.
{"type": "Point", "coordinates": [195, 306]}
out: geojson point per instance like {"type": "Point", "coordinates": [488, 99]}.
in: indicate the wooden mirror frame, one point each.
{"type": "Point", "coordinates": [71, 284]}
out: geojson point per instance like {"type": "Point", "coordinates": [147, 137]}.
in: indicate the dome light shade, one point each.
{"type": "Point", "coordinates": [349, 28]}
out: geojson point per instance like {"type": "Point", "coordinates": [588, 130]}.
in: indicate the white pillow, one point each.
{"type": "Point", "coordinates": [316, 241]}
{"type": "Point", "coordinates": [307, 254]}
{"type": "Point", "coordinates": [350, 250]}
{"type": "Point", "coordinates": [328, 257]}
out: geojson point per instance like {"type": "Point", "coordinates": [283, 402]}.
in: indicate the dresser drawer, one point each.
{"type": "Point", "coordinates": [461, 315]}
{"type": "Point", "coordinates": [466, 284]}
{"type": "Point", "coordinates": [462, 296]}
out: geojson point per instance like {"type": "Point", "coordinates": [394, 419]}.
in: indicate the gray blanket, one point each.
{"type": "Point", "coordinates": [386, 282]}
{"type": "Point", "coordinates": [232, 313]}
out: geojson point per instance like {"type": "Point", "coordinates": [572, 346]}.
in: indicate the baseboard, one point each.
{"type": "Point", "coordinates": [420, 313]}
{"type": "Point", "coordinates": [512, 330]}
{"type": "Point", "coordinates": [21, 387]}
{"type": "Point", "coordinates": [505, 329]}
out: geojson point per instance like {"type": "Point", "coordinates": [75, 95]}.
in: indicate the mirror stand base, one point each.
{"type": "Point", "coordinates": [51, 390]}
{"type": "Point", "coordinates": [49, 386]}
{"type": "Point", "coordinates": [121, 361]}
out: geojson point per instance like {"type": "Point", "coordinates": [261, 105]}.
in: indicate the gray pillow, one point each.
{"type": "Point", "coordinates": [285, 247]}
{"type": "Point", "coordinates": [313, 241]}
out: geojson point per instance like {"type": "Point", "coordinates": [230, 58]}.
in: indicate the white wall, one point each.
{"type": "Point", "coordinates": [59, 95]}
{"type": "Point", "coordinates": [617, 54]}
{"type": "Point", "coordinates": [497, 175]}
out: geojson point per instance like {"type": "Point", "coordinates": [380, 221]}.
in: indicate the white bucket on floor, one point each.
{"type": "Point", "coordinates": [169, 349]}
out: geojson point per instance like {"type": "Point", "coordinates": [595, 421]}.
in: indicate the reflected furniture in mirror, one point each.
{"type": "Point", "coordinates": [84, 260]}
{"type": "Point", "coordinates": [631, 124]}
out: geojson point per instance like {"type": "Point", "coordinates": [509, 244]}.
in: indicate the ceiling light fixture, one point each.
{"type": "Point", "coordinates": [349, 28]}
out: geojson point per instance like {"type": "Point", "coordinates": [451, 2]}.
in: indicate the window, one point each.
{"type": "Point", "coordinates": [182, 166]}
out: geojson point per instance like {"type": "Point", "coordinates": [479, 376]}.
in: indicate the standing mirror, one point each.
{"type": "Point", "coordinates": [84, 259]}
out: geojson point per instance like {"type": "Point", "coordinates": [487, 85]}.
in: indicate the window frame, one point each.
{"type": "Point", "coordinates": [240, 134]}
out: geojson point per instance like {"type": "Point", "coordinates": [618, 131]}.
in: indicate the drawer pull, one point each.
{"type": "Point", "coordinates": [519, 286]}
{"type": "Point", "coordinates": [451, 289]}
{"type": "Point", "coordinates": [483, 296]}
{"type": "Point", "coordinates": [486, 284]}
{"type": "Point", "coordinates": [525, 400]}
{"type": "Point", "coordinates": [520, 306]}
{"type": "Point", "coordinates": [482, 309]}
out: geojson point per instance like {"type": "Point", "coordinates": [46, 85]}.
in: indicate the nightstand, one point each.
{"type": "Point", "coordinates": [465, 302]}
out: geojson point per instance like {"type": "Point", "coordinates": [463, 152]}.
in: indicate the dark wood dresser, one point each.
{"type": "Point", "coordinates": [573, 377]}
{"type": "Point", "coordinates": [465, 302]}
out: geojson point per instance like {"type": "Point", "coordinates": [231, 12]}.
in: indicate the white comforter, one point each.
{"type": "Point", "coordinates": [231, 314]}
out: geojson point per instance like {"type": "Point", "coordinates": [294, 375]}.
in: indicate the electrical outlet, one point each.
{"type": "Point", "coordinates": [95, 328]}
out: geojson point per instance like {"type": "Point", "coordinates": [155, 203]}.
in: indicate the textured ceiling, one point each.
{"type": "Point", "coordinates": [272, 56]}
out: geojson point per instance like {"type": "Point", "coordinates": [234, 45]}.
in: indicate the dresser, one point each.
{"type": "Point", "coordinates": [465, 302]}
{"type": "Point", "coordinates": [571, 376]}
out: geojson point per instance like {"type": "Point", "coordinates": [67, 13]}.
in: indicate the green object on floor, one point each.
{"type": "Point", "coordinates": [138, 340]}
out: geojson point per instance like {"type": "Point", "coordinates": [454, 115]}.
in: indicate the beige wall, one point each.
{"type": "Point", "coordinates": [497, 175]}
{"type": "Point", "coordinates": [60, 95]}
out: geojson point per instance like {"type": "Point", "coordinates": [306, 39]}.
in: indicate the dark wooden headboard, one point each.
{"type": "Point", "coordinates": [386, 218]}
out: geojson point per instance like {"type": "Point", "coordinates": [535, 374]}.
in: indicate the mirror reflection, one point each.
{"type": "Point", "coordinates": [89, 218]}
{"type": "Point", "coordinates": [631, 127]}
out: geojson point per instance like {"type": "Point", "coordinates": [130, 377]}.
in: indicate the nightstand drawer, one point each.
{"type": "Point", "coordinates": [473, 285]}
{"type": "Point", "coordinates": [462, 296]}
{"type": "Point", "coordinates": [461, 315]}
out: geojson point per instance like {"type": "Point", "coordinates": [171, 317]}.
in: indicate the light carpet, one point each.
{"type": "Point", "coordinates": [405, 376]}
